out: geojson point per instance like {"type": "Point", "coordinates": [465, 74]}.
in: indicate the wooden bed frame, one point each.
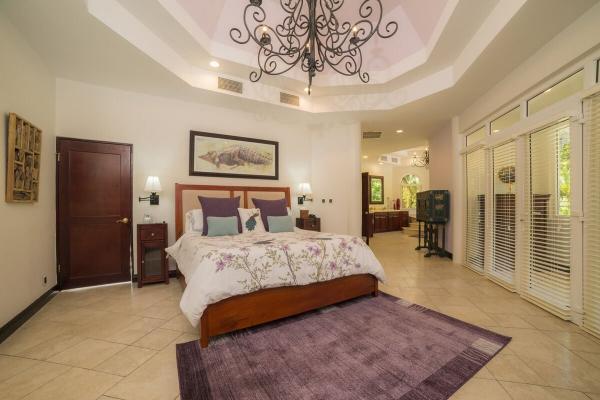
{"type": "Point", "coordinates": [244, 311]}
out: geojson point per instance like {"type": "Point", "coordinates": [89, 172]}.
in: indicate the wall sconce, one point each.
{"type": "Point", "coordinates": [152, 187]}
{"type": "Point", "coordinates": [305, 193]}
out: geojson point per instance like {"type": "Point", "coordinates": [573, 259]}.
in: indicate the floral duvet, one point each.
{"type": "Point", "coordinates": [216, 268]}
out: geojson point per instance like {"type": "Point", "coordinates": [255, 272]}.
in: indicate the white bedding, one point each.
{"type": "Point", "coordinates": [216, 268]}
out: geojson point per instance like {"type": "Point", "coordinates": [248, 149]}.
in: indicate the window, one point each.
{"type": "Point", "coordinates": [591, 232]}
{"type": "Point", "coordinates": [376, 189]}
{"type": "Point", "coordinates": [506, 120]}
{"type": "Point", "coordinates": [547, 267]}
{"type": "Point", "coordinates": [411, 184]}
{"type": "Point", "coordinates": [563, 89]}
{"type": "Point", "coordinates": [475, 232]}
{"type": "Point", "coordinates": [502, 265]}
{"type": "Point", "coordinates": [476, 136]}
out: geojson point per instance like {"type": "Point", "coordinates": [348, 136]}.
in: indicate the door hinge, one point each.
{"type": "Point", "coordinates": [57, 157]}
{"type": "Point", "coordinates": [58, 268]}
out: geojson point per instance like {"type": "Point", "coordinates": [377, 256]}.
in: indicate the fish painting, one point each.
{"type": "Point", "coordinates": [236, 156]}
{"type": "Point", "coordinates": [213, 154]}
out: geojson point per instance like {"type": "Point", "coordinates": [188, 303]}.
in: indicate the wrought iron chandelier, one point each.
{"type": "Point", "coordinates": [420, 161]}
{"type": "Point", "coordinates": [312, 35]}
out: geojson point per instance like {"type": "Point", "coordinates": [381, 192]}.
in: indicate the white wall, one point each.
{"type": "Point", "coordinates": [336, 176]}
{"type": "Point", "coordinates": [324, 154]}
{"type": "Point", "coordinates": [441, 176]}
{"type": "Point", "coordinates": [28, 230]}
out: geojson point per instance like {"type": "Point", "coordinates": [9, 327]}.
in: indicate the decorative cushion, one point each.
{"type": "Point", "coordinates": [219, 207]}
{"type": "Point", "coordinates": [194, 221]}
{"type": "Point", "coordinates": [280, 224]}
{"type": "Point", "coordinates": [273, 208]}
{"type": "Point", "coordinates": [251, 221]}
{"type": "Point", "coordinates": [221, 226]}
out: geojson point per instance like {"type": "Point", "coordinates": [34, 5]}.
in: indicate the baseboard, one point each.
{"type": "Point", "coordinates": [449, 255]}
{"type": "Point", "coordinates": [11, 326]}
{"type": "Point", "coordinates": [172, 274]}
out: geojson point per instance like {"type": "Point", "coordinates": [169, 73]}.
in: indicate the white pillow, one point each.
{"type": "Point", "coordinates": [194, 221]}
{"type": "Point", "coordinates": [247, 215]}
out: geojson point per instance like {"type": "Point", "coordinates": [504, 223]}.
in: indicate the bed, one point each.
{"type": "Point", "coordinates": [222, 295]}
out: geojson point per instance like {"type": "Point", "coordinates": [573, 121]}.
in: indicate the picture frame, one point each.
{"type": "Point", "coordinates": [226, 156]}
{"type": "Point", "coordinates": [24, 152]}
{"type": "Point", "coordinates": [376, 193]}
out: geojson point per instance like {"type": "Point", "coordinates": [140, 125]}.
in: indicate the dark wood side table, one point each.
{"type": "Point", "coordinates": [309, 224]}
{"type": "Point", "coordinates": [152, 263]}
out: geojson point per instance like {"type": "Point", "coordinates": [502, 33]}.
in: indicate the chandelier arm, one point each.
{"type": "Point", "coordinates": [347, 64]}
{"type": "Point", "coordinates": [363, 35]}
{"type": "Point", "coordinates": [257, 14]}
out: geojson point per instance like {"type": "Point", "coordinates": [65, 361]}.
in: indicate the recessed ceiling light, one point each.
{"type": "Point", "coordinates": [306, 90]}
{"type": "Point", "coordinates": [399, 131]}
{"type": "Point", "coordinates": [214, 64]}
{"type": "Point", "coordinates": [380, 163]}
{"type": "Point", "coordinates": [365, 157]}
{"type": "Point", "coordinates": [496, 131]}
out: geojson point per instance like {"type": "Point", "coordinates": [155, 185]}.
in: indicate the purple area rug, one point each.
{"type": "Point", "coordinates": [369, 348]}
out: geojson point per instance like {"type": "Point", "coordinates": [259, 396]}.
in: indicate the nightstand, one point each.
{"type": "Point", "coordinates": [309, 224]}
{"type": "Point", "coordinates": [151, 256]}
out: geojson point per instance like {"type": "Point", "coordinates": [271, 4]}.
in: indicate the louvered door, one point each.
{"type": "Point", "coordinates": [591, 269]}
{"type": "Point", "coordinates": [475, 212]}
{"type": "Point", "coordinates": [546, 267]}
{"type": "Point", "coordinates": [502, 246]}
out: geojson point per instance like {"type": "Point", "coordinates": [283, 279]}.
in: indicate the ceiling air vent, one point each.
{"type": "Point", "coordinates": [290, 99]}
{"type": "Point", "coordinates": [231, 85]}
{"type": "Point", "coordinates": [371, 135]}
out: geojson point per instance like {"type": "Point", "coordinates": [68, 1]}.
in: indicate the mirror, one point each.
{"type": "Point", "coordinates": [376, 190]}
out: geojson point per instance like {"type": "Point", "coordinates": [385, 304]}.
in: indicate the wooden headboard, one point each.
{"type": "Point", "coordinates": [186, 198]}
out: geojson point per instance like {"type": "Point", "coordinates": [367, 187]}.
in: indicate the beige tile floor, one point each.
{"type": "Point", "coordinates": [118, 342]}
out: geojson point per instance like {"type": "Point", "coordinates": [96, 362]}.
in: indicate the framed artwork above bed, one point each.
{"type": "Point", "coordinates": [213, 154]}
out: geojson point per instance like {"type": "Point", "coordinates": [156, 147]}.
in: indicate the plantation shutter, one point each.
{"type": "Point", "coordinates": [547, 270]}
{"type": "Point", "coordinates": [475, 212]}
{"type": "Point", "coordinates": [503, 163]}
{"type": "Point", "coordinates": [591, 268]}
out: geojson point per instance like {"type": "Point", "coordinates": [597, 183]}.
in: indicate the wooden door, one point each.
{"type": "Point", "coordinates": [367, 218]}
{"type": "Point", "coordinates": [94, 202]}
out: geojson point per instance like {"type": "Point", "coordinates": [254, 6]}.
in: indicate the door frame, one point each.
{"type": "Point", "coordinates": [59, 277]}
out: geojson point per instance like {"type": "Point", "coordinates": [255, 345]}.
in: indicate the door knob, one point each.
{"type": "Point", "coordinates": [122, 221]}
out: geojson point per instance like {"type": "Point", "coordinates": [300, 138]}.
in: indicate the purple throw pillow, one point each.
{"type": "Point", "coordinates": [273, 208]}
{"type": "Point", "coordinates": [219, 207]}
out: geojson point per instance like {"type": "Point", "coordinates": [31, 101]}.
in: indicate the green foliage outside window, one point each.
{"type": "Point", "coordinates": [376, 184]}
{"type": "Point", "coordinates": [564, 176]}
{"type": "Point", "coordinates": [410, 187]}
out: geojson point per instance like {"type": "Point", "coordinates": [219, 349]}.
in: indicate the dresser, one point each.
{"type": "Point", "coordinates": [152, 264]}
{"type": "Point", "coordinates": [388, 221]}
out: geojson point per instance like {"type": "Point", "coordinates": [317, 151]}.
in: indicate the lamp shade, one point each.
{"type": "Point", "coordinates": [305, 188]}
{"type": "Point", "coordinates": [152, 185]}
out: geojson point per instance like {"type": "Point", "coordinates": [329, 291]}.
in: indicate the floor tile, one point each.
{"type": "Point", "coordinates": [87, 354]}
{"type": "Point", "coordinates": [52, 347]}
{"type": "Point", "coordinates": [31, 379]}
{"type": "Point", "coordinates": [155, 379]}
{"type": "Point", "coordinates": [479, 389]}
{"type": "Point", "coordinates": [75, 384]}
{"type": "Point", "coordinates": [157, 339]}
{"type": "Point", "coordinates": [125, 361]}
{"type": "Point", "coordinates": [510, 368]}
{"type": "Point", "coordinates": [11, 366]}
{"type": "Point", "coordinates": [521, 391]}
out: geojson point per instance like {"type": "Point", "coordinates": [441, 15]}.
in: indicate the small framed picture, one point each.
{"type": "Point", "coordinates": [213, 154]}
